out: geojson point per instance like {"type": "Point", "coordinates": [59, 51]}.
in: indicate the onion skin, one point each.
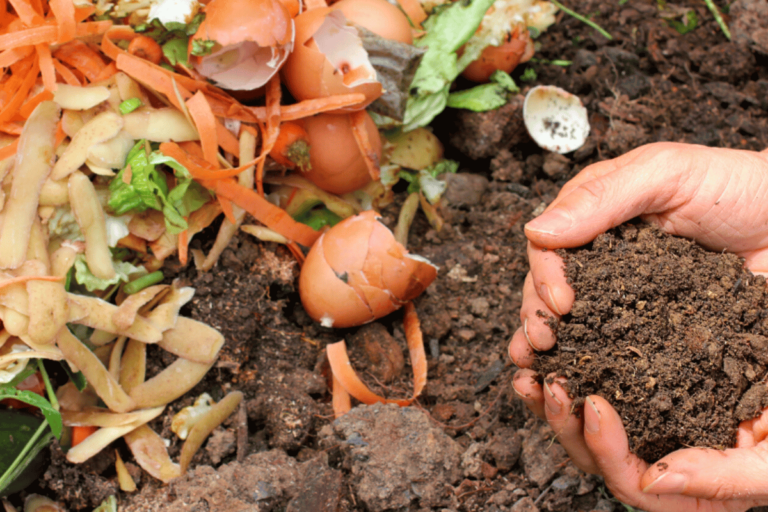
{"type": "Point", "coordinates": [378, 16]}
{"type": "Point", "coordinates": [517, 49]}
{"type": "Point", "coordinates": [357, 272]}
{"type": "Point", "coordinates": [309, 75]}
{"type": "Point", "coordinates": [337, 165]}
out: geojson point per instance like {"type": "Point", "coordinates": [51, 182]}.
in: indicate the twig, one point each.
{"type": "Point", "coordinates": [716, 13]}
{"type": "Point", "coordinates": [583, 19]}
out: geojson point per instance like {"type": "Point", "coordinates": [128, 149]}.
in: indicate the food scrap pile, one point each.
{"type": "Point", "coordinates": [128, 127]}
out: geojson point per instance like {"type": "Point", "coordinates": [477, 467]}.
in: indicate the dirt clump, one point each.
{"type": "Point", "coordinates": [672, 335]}
{"type": "Point", "coordinates": [395, 456]}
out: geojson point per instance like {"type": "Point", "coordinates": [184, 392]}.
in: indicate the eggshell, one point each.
{"type": "Point", "coordinates": [555, 119]}
{"type": "Point", "coordinates": [378, 16]}
{"type": "Point", "coordinates": [337, 163]}
{"type": "Point", "coordinates": [310, 75]}
{"type": "Point", "coordinates": [357, 272]}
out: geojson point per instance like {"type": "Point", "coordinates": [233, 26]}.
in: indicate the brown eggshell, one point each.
{"type": "Point", "coordinates": [310, 75]}
{"type": "Point", "coordinates": [337, 163]}
{"type": "Point", "coordinates": [518, 49]}
{"type": "Point", "coordinates": [230, 22]}
{"type": "Point", "coordinates": [378, 276]}
{"type": "Point", "coordinates": [378, 16]}
{"type": "Point", "coordinates": [324, 295]}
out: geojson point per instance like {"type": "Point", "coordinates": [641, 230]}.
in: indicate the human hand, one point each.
{"type": "Point", "coordinates": [696, 192]}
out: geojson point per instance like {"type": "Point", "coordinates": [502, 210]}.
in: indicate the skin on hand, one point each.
{"type": "Point", "coordinates": [713, 195]}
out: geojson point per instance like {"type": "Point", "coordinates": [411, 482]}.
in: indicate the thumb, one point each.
{"type": "Point", "coordinates": [646, 180]}
{"type": "Point", "coordinates": [710, 474]}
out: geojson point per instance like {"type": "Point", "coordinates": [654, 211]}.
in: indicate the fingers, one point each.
{"type": "Point", "coordinates": [567, 424]}
{"type": "Point", "coordinates": [547, 270]}
{"type": "Point", "coordinates": [709, 474]}
{"type": "Point", "coordinates": [605, 436]}
{"type": "Point", "coordinates": [534, 333]}
{"type": "Point", "coordinates": [529, 390]}
{"type": "Point", "coordinates": [643, 181]}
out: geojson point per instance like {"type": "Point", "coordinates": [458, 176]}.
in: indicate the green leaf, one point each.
{"type": "Point", "coordinates": [22, 438]}
{"type": "Point", "coordinates": [85, 277]}
{"type": "Point", "coordinates": [447, 30]}
{"type": "Point", "coordinates": [175, 50]}
{"type": "Point", "coordinates": [129, 105]}
{"type": "Point", "coordinates": [689, 23]}
{"type": "Point", "coordinates": [487, 96]}
{"type": "Point", "coordinates": [318, 218]}
{"type": "Point", "coordinates": [108, 505]}
{"type": "Point", "coordinates": [51, 415]}
{"type": "Point", "coordinates": [78, 379]}
{"type": "Point", "coordinates": [202, 47]}
{"type": "Point", "coordinates": [529, 75]}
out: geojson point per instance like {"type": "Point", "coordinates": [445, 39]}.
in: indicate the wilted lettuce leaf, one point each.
{"type": "Point", "coordinates": [447, 31]}
{"type": "Point", "coordinates": [84, 276]}
{"type": "Point", "coordinates": [487, 96]}
{"type": "Point", "coordinates": [148, 188]}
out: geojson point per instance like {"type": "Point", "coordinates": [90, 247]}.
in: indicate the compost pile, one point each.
{"type": "Point", "coordinates": [672, 335]}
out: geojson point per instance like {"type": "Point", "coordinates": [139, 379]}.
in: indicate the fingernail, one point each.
{"type": "Point", "coordinates": [554, 222]}
{"type": "Point", "coordinates": [553, 405]}
{"type": "Point", "coordinates": [592, 419]}
{"type": "Point", "coordinates": [546, 291]}
{"type": "Point", "coordinates": [525, 331]}
{"type": "Point", "coordinates": [668, 483]}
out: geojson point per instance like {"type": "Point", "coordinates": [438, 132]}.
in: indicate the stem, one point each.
{"type": "Point", "coordinates": [404, 221]}
{"type": "Point", "coordinates": [48, 387]}
{"type": "Point", "coordinates": [144, 281]}
{"type": "Point", "coordinates": [718, 17]}
{"type": "Point", "coordinates": [583, 19]}
{"type": "Point", "coordinates": [20, 457]}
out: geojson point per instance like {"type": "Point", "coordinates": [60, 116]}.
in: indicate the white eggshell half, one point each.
{"type": "Point", "coordinates": [555, 119]}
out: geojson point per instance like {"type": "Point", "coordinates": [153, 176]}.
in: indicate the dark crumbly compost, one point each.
{"type": "Point", "coordinates": [672, 335]}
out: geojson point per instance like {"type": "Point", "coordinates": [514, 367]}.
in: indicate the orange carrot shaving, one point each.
{"type": "Point", "coordinates": [226, 207]}
{"type": "Point", "coordinates": [24, 279]}
{"type": "Point", "coordinates": [346, 376]}
{"type": "Point", "coordinates": [26, 13]}
{"type": "Point", "coordinates": [360, 132]}
{"type": "Point", "coordinates": [11, 128]}
{"type": "Point", "coordinates": [12, 107]}
{"type": "Point", "coordinates": [79, 55]}
{"type": "Point", "coordinates": [48, 34]}
{"type": "Point", "coordinates": [227, 141]}
{"type": "Point", "coordinates": [46, 67]}
{"type": "Point", "coordinates": [272, 129]}
{"type": "Point", "coordinates": [14, 55]}
{"type": "Point", "coordinates": [9, 150]}
{"type": "Point", "coordinates": [274, 217]}
{"type": "Point", "coordinates": [205, 122]}
{"type": "Point", "coordinates": [83, 13]}
{"type": "Point", "coordinates": [154, 77]}
{"type": "Point", "coordinates": [198, 221]}
{"type": "Point", "coordinates": [64, 11]}
{"type": "Point", "coordinates": [27, 108]}
{"type": "Point", "coordinates": [200, 169]}
{"type": "Point", "coordinates": [341, 400]}
{"type": "Point", "coordinates": [66, 74]}
{"type": "Point", "coordinates": [109, 70]}
{"type": "Point", "coordinates": [414, 11]}
{"type": "Point", "coordinates": [290, 134]}
{"type": "Point", "coordinates": [297, 252]}
{"type": "Point", "coordinates": [59, 136]}
{"type": "Point", "coordinates": [146, 48]}
{"type": "Point", "coordinates": [308, 108]}
{"type": "Point", "coordinates": [81, 433]}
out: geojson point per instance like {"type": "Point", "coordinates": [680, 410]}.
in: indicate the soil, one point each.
{"type": "Point", "coordinates": [670, 334]}
{"type": "Point", "coordinates": [649, 83]}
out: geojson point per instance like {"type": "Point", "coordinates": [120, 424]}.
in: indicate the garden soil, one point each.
{"type": "Point", "coordinates": [468, 444]}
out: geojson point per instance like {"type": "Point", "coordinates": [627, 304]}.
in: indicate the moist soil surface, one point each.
{"type": "Point", "coordinates": [468, 445]}
{"type": "Point", "coordinates": [673, 336]}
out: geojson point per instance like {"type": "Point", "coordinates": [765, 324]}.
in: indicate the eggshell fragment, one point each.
{"type": "Point", "coordinates": [329, 59]}
{"type": "Point", "coordinates": [253, 39]}
{"type": "Point", "coordinates": [357, 272]}
{"type": "Point", "coordinates": [378, 16]}
{"type": "Point", "coordinates": [555, 119]}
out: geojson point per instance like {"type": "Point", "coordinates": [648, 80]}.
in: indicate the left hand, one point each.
{"type": "Point", "coordinates": [694, 479]}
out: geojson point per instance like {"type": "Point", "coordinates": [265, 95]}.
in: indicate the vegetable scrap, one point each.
{"type": "Point", "coordinates": [128, 128]}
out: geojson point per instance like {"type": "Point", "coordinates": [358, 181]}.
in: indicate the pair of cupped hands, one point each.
{"type": "Point", "coordinates": [719, 197]}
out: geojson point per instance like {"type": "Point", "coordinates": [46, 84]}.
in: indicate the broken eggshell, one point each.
{"type": "Point", "coordinates": [252, 40]}
{"type": "Point", "coordinates": [556, 119]}
{"type": "Point", "coordinates": [329, 59]}
{"type": "Point", "coordinates": [357, 272]}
